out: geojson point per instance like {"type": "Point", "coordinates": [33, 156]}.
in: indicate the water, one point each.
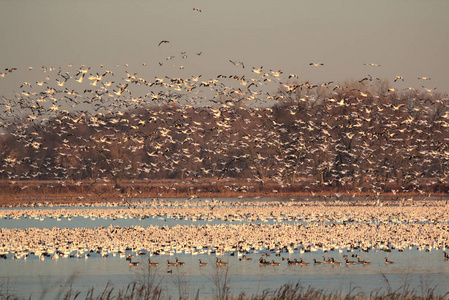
{"type": "Point", "coordinates": [33, 276]}
{"type": "Point", "coordinates": [82, 222]}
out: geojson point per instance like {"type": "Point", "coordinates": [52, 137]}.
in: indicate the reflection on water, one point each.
{"type": "Point", "coordinates": [196, 212]}
{"type": "Point", "coordinates": [82, 222]}
{"type": "Point", "coordinates": [413, 267]}
{"type": "Point", "coordinates": [33, 275]}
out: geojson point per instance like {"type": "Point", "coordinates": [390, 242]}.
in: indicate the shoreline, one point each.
{"type": "Point", "coordinates": [18, 193]}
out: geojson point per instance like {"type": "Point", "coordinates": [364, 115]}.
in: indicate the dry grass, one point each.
{"type": "Point", "coordinates": [142, 289]}
{"type": "Point", "coordinates": [27, 192]}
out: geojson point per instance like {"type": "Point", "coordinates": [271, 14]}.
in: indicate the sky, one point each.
{"type": "Point", "coordinates": [408, 38]}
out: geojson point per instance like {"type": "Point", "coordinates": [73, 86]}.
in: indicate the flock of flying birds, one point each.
{"type": "Point", "coordinates": [108, 123]}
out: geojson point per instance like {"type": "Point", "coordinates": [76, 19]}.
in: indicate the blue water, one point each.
{"type": "Point", "coordinates": [82, 222]}
{"type": "Point", "coordinates": [52, 276]}
{"type": "Point", "coordinates": [32, 276]}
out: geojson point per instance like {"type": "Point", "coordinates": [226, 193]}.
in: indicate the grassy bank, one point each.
{"type": "Point", "coordinates": [57, 192]}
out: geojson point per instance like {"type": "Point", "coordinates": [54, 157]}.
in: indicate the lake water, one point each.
{"type": "Point", "coordinates": [34, 276]}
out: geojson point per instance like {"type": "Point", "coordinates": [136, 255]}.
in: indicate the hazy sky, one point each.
{"type": "Point", "coordinates": [406, 37]}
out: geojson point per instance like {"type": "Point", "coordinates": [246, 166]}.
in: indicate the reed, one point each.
{"type": "Point", "coordinates": [148, 287]}
{"type": "Point", "coordinates": [222, 282]}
